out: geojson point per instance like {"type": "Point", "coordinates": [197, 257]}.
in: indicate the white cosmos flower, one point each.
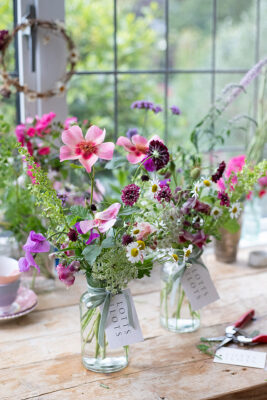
{"type": "Point", "coordinates": [196, 189]}
{"type": "Point", "coordinates": [187, 252]}
{"type": "Point", "coordinates": [154, 187]}
{"type": "Point", "coordinates": [235, 210]}
{"type": "Point", "coordinates": [216, 212]}
{"type": "Point", "coordinates": [134, 253]}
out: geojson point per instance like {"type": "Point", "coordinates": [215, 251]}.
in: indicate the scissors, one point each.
{"type": "Point", "coordinates": [232, 331]}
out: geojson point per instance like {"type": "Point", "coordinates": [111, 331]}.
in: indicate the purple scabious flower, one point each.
{"type": "Point", "coordinates": [73, 235]}
{"type": "Point", "coordinates": [175, 110]}
{"type": "Point", "coordinates": [126, 239]}
{"type": "Point", "coordinates": [3, 38]}
{"type": "Point", "coordinates": [131, 132]}
{"type": "Point", "coordinates": [164, 194]}
{"type": "Point", "coordinates": [158, 153]}
{"type": "Point", "coordinates": [225, 201]}
{"type": "Point", "coordinates": [36, 243]}
{"type": "Point", "coordinates": [146, 105]}
{"type": "Point", "coordinates": [130, 194]}
{"type": "Point", "coordinates": [219, 173]}
{"type": "Point", "coordinates": [144, 178]}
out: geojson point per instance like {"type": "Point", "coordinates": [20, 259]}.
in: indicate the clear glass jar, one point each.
{"type": "Point", "coordinates": [176, 314]}
{"type": "Point", "coordinates": [94, 357]}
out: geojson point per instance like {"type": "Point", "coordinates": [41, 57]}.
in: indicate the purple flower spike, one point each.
{"type": "Point", "coordinates": [175, 110]}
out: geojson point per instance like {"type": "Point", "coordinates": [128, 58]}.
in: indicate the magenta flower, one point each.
{"type": "Point", "coordinates": [92, 237]}
{"type": "Point", "coordinates": [44, 121]}
{"type": "Point", "coordinates": [87, 150]}
{"type": "Point", "coordinates": [36, 243]}
{"type": "Point", "coordinates": [69, 121]}
{"type": "Point", "coordinates": [66, 272]}
{"type": "Point", "coordinates": [225, 201]}
{"type": "Point", "coordinates": [263, 180]}
{"type": "Point", "coordinates": [130, 194]}
{"type": "Point", "coordinates": [158, 155]}
{"type": "Point", "coordinates": [20, 133]}
{"type": "Point", "coordinates": [44, 151]}
{"type": "Point", "coordinates": [164, 194]}
{"type": "Point", "coordinates": [235, 165]}
{"type": "Point", "coordinates": [103, 220]}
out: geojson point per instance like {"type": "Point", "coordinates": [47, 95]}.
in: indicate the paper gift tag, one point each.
{"type": "Point", "coordinates": [245, 358]}
{"type": "Point", "coordinates": [198, 286]}
{"type": "Point", "coordinates": [118, 331]}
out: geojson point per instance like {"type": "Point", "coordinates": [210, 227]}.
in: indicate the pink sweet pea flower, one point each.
{"type": "Point", "coordinates": [137, 147]}
{"type": "Point", "coordinates": [69, 121]}
{"type": "Point", "coordinates": [103, 220]}
{"type": "Point", "coordinates": [66, 272]}
{"type": "Point", "coordinates": [87, 150]}
{"type": "Point", "coordinates": [145, 229]}
{"type": "Point", "coordinates": [36, 243]}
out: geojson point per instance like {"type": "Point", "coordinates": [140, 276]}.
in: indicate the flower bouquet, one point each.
{"type": "Point", "coordinates": [93, 240]}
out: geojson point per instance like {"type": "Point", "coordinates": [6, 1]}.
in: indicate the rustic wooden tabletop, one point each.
{"type": "Point", "coordinates": [40, 353]}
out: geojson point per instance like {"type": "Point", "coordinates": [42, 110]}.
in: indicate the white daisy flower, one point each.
{"type": "Point", "coordinates": [235, 210]}
{"type": "Point", "coordinates": [196, 189]}
{"type": "Point", "coordinates": [134, 253]}
{"type": "Point", "coordinates": [216, 212]}
{"type": "Point", "coordinates": [153, 189]}
{"type": "Point", "coordinates": [187, 252]}
{"type": "Point", "coordinates": [206, 183]}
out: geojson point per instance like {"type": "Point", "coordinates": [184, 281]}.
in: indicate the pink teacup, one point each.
{"type": "Point", "coordinates": [9, 282]}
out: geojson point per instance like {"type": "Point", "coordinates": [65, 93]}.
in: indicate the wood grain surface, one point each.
{"type": "Point", "coordinates": [40, 353]}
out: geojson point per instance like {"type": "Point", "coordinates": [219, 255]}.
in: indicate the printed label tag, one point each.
{"type": "Point", "coordinates": [118, 331]}
{"type": "Point", "coordinates": [198, 286]}
{"type": "Point", "coordinates": [244, 358]}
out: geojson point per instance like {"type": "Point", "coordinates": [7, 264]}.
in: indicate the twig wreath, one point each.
{"type": "Point", "coordinates": [6, 38]}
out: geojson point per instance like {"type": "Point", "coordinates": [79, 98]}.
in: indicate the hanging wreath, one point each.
{"type": "Point", "coordinates": [6, 38]}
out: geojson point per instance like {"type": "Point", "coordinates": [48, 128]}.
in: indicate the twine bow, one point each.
{"type": "Point", "coordinates": [100, 296]}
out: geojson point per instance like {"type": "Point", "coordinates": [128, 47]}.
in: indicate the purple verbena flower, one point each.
{"type": "Point", "coordinates": [131, 132]}
{"type": "Point", "coordinates": [175, 110]}
{"type": "Point", "coordinates": [146, 105]}
{"type": "Point", "coordinates": [130, 194]}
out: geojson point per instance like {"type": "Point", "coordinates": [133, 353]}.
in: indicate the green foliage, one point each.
{"type": "Point", "coordinates": [231, 225]}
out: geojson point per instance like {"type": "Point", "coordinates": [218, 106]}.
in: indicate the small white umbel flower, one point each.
{"type": "Point", "coordinates": [235, 210]}
{"type": "Point", "coordinates": [216, 212]}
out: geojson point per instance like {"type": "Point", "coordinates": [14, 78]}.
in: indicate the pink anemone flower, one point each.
{"type": "Point", "coordinates": [103, 220]}
{"type": "Point", "coordinates": [137, 147]}
{"type": "Point", "coordinates": [87, 150]}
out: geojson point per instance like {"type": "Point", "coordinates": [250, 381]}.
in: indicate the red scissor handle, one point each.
{"type": "Point", "coordinates": [260, 339]}
{"type": "Point", "coordinates": [244, 319]}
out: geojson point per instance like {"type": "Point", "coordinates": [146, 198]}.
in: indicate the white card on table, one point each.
{"type": "Point", "coordinates": [118, 331]}
{"type": "Point", "coordinates": [198, 286]}
{"type": "Point", "coordinates": [244, 358]}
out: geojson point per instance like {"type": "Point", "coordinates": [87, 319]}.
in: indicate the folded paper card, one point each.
{"type": "Point", "coordinates": [244, 358]}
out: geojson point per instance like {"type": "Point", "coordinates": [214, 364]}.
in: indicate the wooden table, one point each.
{"type": "Point", "coordinates": [40, 353]}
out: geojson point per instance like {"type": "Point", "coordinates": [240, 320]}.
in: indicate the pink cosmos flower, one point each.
{"type": "Point", "coordinates": [103, 220]}
{"type": "Point", "coordinates": [87, 150]}
{"type": "Point", "coordinates": [137, 147]}
{"type": "Point", "coordinates": [69, 121]}
{"type": "Point", "coordinates": [145, 229]}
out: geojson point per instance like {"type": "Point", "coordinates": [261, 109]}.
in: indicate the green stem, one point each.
{"type": "Point", "coordinates": [126, 348]}
{"type": "Point", "coordinates": [180, 302]}
{"type": "Point", "coordinates": [97, 346]}
{"type": "Point", "coordinates": [92, 185]}
{"type": "Point", "coordinates": [166, 306]}
{"type": "Point", "coordinates": [34, 273]}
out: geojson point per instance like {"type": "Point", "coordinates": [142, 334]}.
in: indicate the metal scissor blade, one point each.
{"type": "Point", "coordinates": [213, 339]}
{"type": "Point", "coordinates": [224, 342]}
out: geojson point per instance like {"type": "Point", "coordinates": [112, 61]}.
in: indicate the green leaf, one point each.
{"type": "Point", "coordinates": [80, 211]}
{"type": "Point", "coordinates": [91, 252]}
{"type": "Point", "coordinates": [129, 211]}
{"type": "Point", "coordinates": [231, 225]}
{"type": "Point", "coordinates": [116, 162]}
{"type": "Point", "coordinates": [71, 220]}
{"type": "Point", "coordinates": [74, 166]}
{"type": "Point", "coordinates": [107, 243]}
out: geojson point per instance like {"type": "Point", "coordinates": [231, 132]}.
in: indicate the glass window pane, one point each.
{"type": "Point", "coordinates": [190, 34]}
{"type": "Point", "coordinates": [235, 42]}
{"type": "Point", "coordinates": [140, 87]}
{"type": "Point", "coordinates": [140, 36]}
{"type": "Point", "coordinates": [90, 97]}
{"type": "Point", "coordinates": [263, 28]}
{"type": "Point", "coordinates": [91, 26]}
{"type": "Point", "coordinates": [191, 93]}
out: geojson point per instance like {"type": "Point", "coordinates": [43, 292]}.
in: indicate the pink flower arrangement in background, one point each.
{"type": "Point", "coordinates": [87, 150]}
{"type": "Point", "coordinates": [103, 221]}
{"type": "Point", "coordinates": [235, 165]}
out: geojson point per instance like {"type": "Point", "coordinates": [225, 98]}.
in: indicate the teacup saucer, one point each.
{"type": "Point", "coordinates": [25, 302]}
